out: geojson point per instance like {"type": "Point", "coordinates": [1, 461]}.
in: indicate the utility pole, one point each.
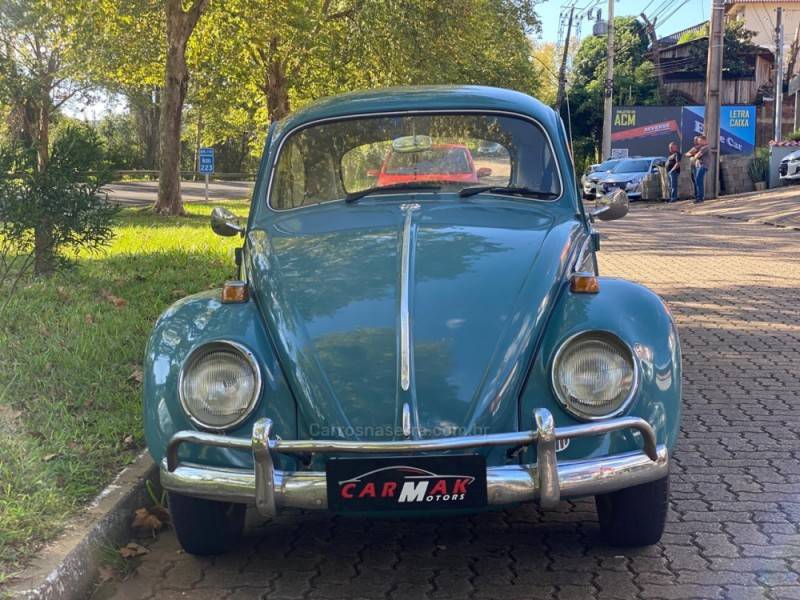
{"type": "Point", "coordinates": [713, 97]}
{"type": "Point", "coordinates": [562, 71]}
{"type": "Point", "coordinates": [608, 91]}
{"type": "Point", "coordinates": [778, 74]}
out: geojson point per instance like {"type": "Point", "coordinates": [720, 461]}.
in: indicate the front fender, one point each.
{"type": "Point", "coordinates": [191, 322]}
{"type": "Point", "coordinates": [641, 319]}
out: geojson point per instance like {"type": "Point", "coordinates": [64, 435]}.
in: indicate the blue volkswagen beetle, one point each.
{"type": "Point", "coordinates": [431, 345]}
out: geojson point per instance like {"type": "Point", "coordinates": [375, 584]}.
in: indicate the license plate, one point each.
{"type": "Point", "coordinates": [406, 483]}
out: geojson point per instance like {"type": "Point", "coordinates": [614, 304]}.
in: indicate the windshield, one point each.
{"type": "Point", "coordinates": [333, 160]}
{"type": "Point", "coordinates": [608, 165]}
{"type": "Point", "coordinates": [632, 166]}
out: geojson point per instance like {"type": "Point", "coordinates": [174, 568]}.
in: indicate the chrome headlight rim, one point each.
{"type": "Point", "coordinates": [199, 352]}
{"type": "Point", "coordinates": [599, 333]}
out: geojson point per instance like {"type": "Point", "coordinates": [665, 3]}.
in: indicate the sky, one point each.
{"type": "Point", "coordinates": [685, 13]}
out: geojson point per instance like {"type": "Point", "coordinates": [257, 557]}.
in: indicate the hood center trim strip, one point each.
{"type": "Point", "coordinates": [405, 284]}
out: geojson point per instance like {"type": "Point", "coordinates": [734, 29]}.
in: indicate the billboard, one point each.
{"type": "Point", "coordinates": [737, 128]}
{"type": "Point", "coordinates": [644, 130]}
{"type": "Point", "coordinates": [648, 130]}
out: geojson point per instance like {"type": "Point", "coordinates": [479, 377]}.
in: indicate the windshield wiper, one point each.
{"type": "Point", "coordinates": [392, 187]}
{"type": "Point", "coordinates": [511, 190]}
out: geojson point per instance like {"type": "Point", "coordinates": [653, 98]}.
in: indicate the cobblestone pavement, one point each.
{"type": "Point", "coordinates": [778, 207]}
{"type": "Point", "coordinates": [732, 530]}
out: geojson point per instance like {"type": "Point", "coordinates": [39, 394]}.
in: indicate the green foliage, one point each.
{"type": "Point", "coordinates": [48, 216]}
{"type": "Point", "coordinates": [794, 136]}
{"type": "Point", "coordinates": [634, 82]}
{"type": "Point", "coordinates": [758, 168]}
{"type": "Point", "coordinates": [271, 56]}
{"type": "Point", "coordinates": [70, 346]}
{"type": "Point", "coordinates": [737, 47]}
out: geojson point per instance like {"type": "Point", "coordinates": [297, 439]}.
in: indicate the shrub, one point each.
{"type": "Point", "coordinates": [758, 168]}
{"type": "Point", "coordinates": [48, 217]}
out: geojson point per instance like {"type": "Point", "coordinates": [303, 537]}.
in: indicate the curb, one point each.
{"type": "Point", "coordinates": [66, 568]}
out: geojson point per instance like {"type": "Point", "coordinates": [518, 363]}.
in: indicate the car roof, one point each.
{"type": "Point", "coordinates": [423, 98]}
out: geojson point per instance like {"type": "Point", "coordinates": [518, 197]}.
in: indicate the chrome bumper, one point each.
{"type": "Point", "coordinates": [548, 480]}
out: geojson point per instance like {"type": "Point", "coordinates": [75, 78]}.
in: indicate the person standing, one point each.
{"type": "Point", "coordinates": [673, 170]}
{"type": "Point", "coordinates": [690, 153]}
{"type": "Point", "coordinates": [701, 159]}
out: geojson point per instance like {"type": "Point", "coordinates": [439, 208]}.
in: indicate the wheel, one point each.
{"type": "Point", "coordinates": [206, 527]}
{"type": "Point", "coordinates": [634, 516]}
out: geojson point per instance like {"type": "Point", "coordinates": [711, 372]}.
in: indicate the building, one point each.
{"type": "Point", "coordinates": [759, 16]}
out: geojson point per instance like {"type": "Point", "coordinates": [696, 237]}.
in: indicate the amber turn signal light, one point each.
{"type": "Point", "coordinates": [584, 283]}
{"type": "Point", "coordinates": [235, 291]}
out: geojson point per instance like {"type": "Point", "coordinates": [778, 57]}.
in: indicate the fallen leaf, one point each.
{"type": "Point", "coordinates": [115, 300]}
{"type": "Point", "coordinates": [88, 319]}
{"type": "Point", "coordinates": [104, 574]}
{"type": "Point", "coordinates": [62, 293]}
{"type": "Point", "coordinates": [128, 442]}
{"type": "Point", "coordinates": [49, 457]}
{"type": "Point", "coordinates": [136, 375]}
{"type": "Point", "coordinates": [132, 550]}
{"type": "Point", "coordinates": [36, 434]}
{"type": "Point", "coordinates": [144, 519]}
{"type": "Point", "coordinates": [179, 293]}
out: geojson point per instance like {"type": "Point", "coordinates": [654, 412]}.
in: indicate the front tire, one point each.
{"type": "Point", "coordinates": [205, 527]}
{"type": "Point", "coordinates": [634, 516]}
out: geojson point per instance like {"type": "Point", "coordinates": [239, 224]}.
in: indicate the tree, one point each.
{"type": "Point", "coordinates": [180, 25]}
{"type": "Point", "coordinates": [635, 80]}
{"type": "Point", "coordinates": [39, 71]}
{"type": "Point", "coordinates": [737, 48]}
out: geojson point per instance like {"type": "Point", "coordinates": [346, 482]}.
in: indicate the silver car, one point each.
{"type": "Point", "coordinates": [594, 175]}
{"type": "Point", "coordinates": [627, 175]}
{"type": "Point", "coordinates": [790, 167]}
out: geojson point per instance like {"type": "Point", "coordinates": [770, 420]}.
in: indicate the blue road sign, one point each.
{"type": "Point", "coordinates": [206, 160]}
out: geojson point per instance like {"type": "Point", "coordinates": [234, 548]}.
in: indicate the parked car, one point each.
{"type": "Point", "coordinates": [789, 168]}
{"type": "Point", "coordinates": [424, 161]}
{"type": "Point", "coordinates": [419, 347]}
{"type": "Point", "coordinates": [594, 175]}
{"type": "Point", "coordinates": [627, 175]}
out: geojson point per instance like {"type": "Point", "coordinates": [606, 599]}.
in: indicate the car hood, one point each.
{"type": "Point", "coordinates": [598, 176]}
{"type": "Point", "coordinates": [791, 156]}
{"type": "Point", "coordinates": [482, 276]}
{"type": "Point", "coordinates": [623, 177]}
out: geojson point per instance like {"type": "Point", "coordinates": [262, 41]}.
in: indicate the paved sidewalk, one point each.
{"type": "Point", "coordinates": [733, 528]}
{"type": "Point", "coordinates": [780, 207]}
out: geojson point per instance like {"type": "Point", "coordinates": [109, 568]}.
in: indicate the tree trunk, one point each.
{"type": "Point", "coordinates": [43, 259]}
{"type": "Point", "coordinates": [276, 85]}
{"type": "Point", "coordinates": [180, 25]}
{"type": "Point", "coordinates": [146, 108]}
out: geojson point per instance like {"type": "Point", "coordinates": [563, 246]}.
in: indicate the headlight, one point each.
{"type": "Point", "coordinates": [219, 385]}
{"type": "Point", "coordinates": [632, 185]}
{"type": "Point", "coordinates": [594, 375]}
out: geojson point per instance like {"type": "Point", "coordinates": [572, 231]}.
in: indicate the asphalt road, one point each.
{"type": "Point", "coordinates": [140, 193]}
{"type": "Point", "coordinates": [733, 526]}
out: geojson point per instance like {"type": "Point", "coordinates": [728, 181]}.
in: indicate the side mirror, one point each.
{"type": "Point", "coordinates": [611, 206]}
{"type": "Point", "coordinates": [225, 223]}
{"type": "Point", "coordinates": [484, 172]}
{"type": "Point", "coordinates": [372, 172]}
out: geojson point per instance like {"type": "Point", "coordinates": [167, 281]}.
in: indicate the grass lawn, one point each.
{"type": "Point", "coordinates": [70, 349]}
